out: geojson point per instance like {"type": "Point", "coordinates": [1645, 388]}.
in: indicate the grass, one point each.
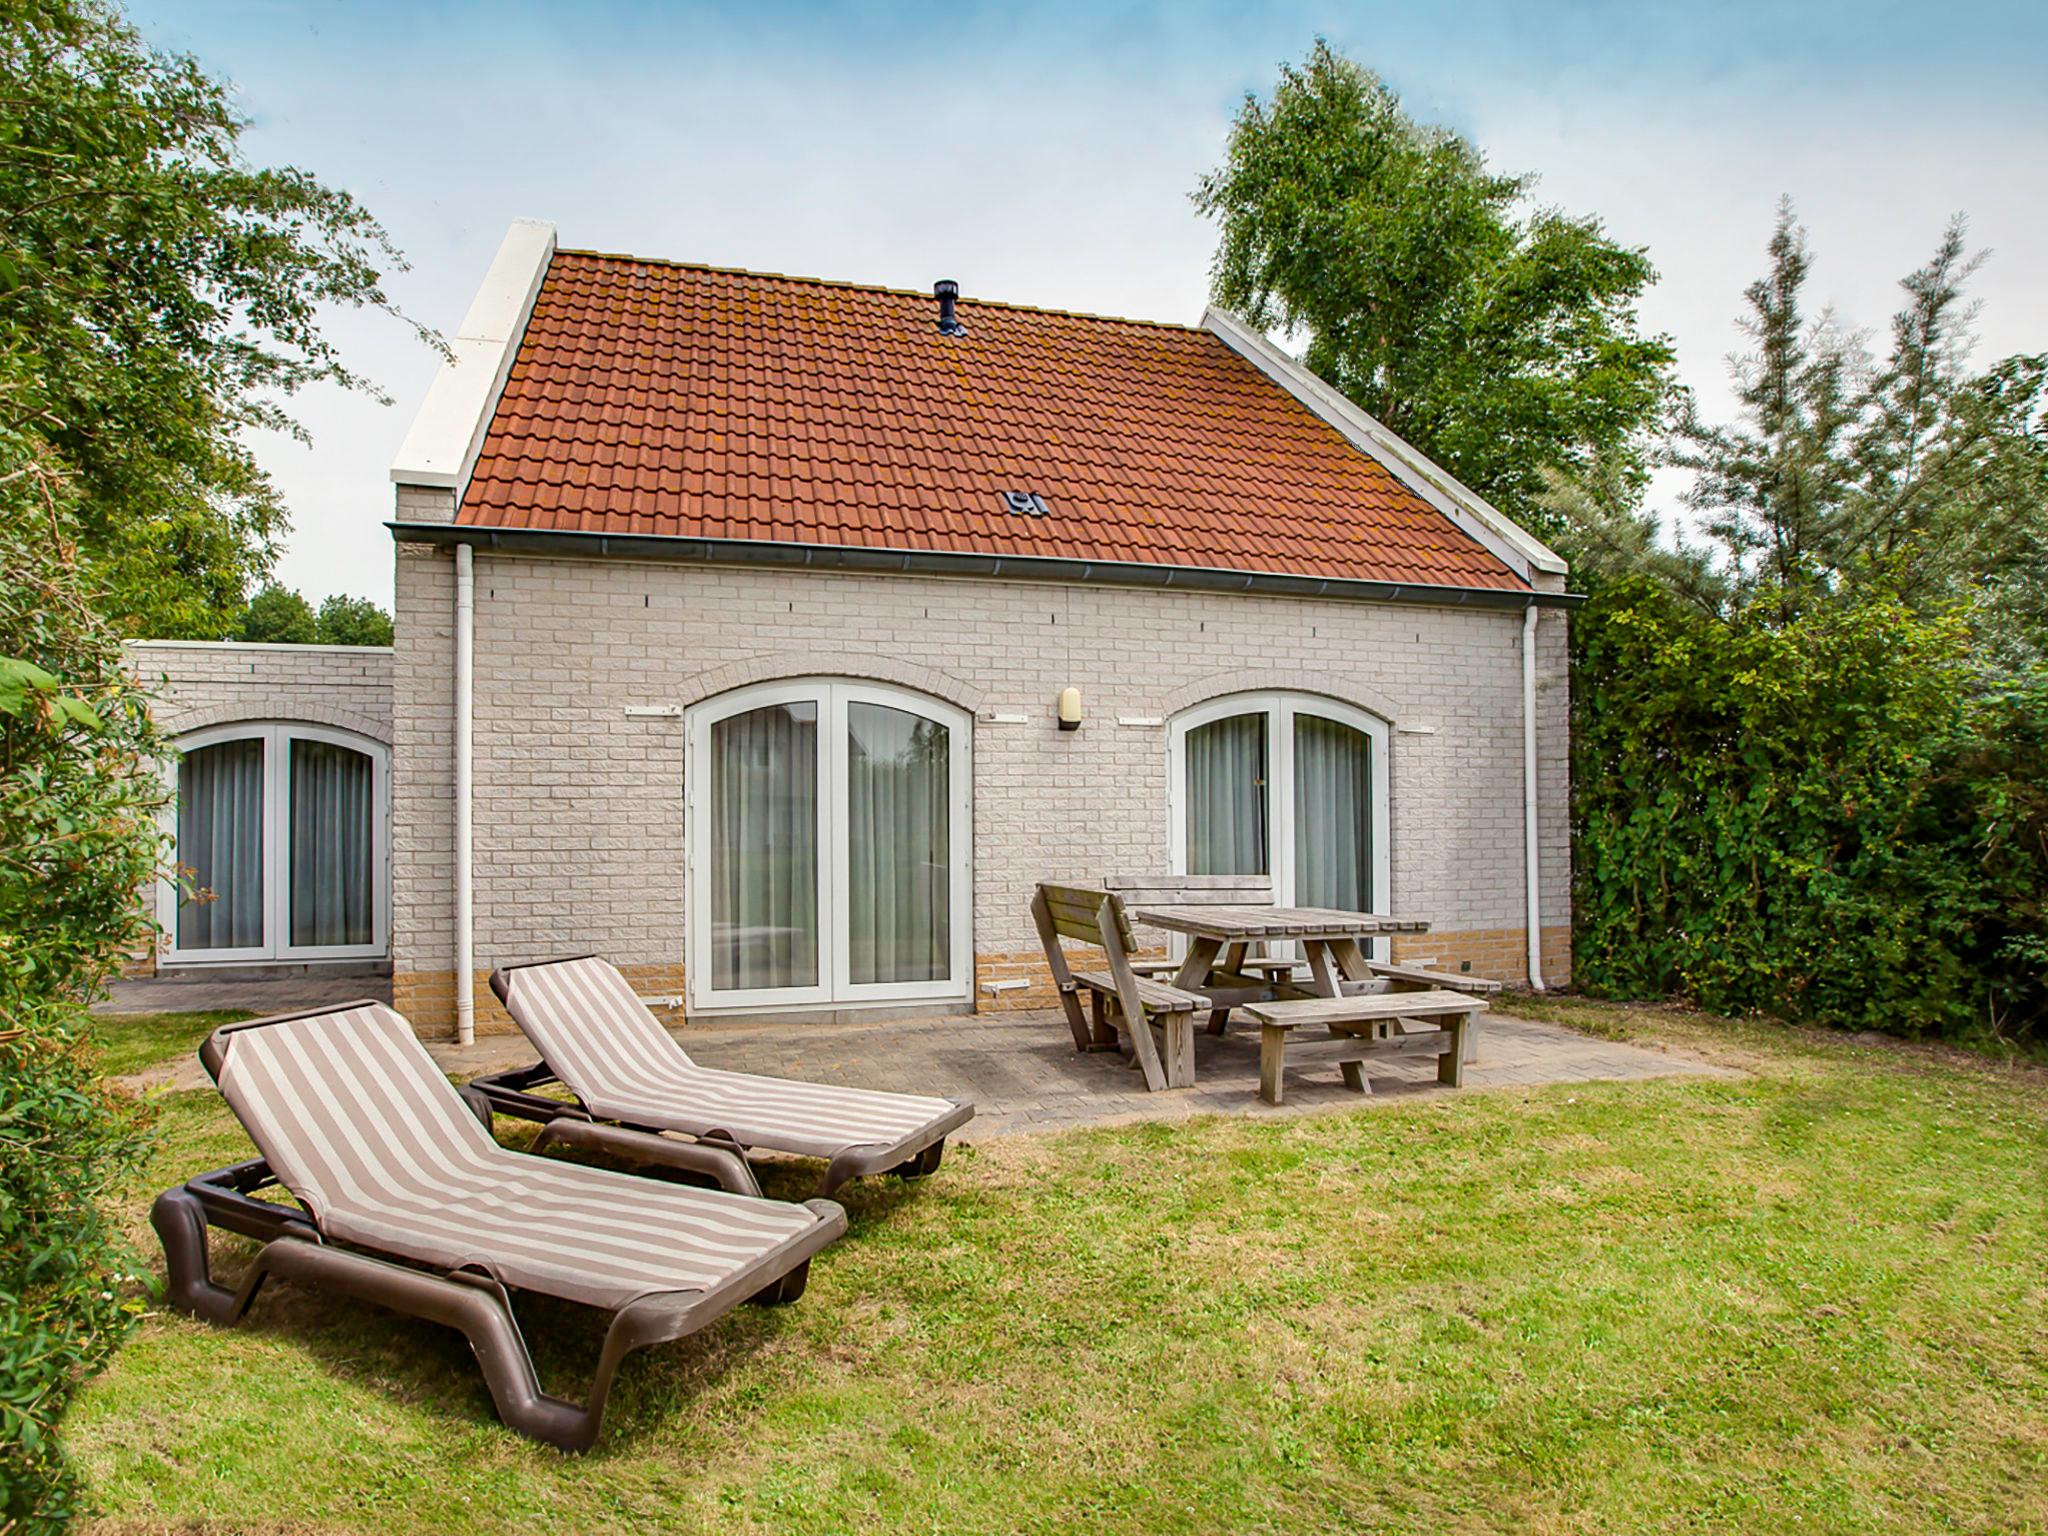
{"type": "Point", "coordinates": [1808, 1298]}
{"type": "Point", "coordinates": [128, 1043]}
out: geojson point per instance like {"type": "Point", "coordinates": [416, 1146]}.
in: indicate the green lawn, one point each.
{"type": "Point", "coordinates": [1812, 1298]}
{"type": "Point", "coordinates": [127, 1043]}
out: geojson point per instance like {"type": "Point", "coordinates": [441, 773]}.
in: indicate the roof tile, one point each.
{"type": "Point", "coordinates": [651, 397]}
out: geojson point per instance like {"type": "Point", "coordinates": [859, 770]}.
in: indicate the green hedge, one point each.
{"type": "Point", "coordinates": [1829, 819]}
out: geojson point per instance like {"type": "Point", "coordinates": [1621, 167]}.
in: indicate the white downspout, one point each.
{"type": "Point", "coordinates": [1529, 840]}
{"type": "Point", "coordinates": [465, 939]}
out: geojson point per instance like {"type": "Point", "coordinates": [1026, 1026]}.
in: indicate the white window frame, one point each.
{"type": "Point", "coordinates": [1280, 709]}
{"type": "Point", "coordinates": [277, 736]}
{"type": "Point", "coordinates": [832, 695]}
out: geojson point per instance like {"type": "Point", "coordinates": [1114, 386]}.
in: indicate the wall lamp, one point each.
{"type": "Point", "coordinates": [1070, 709]}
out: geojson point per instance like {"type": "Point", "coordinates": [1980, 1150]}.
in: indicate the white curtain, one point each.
{"type": "Point", "coordinates": [764, 848]}
{"type": "Point", "coordinates": [333, 823]}
{"type": "Point", "coordinates": [1226, 814]}
{"type": "Point", "coordinates": [220, 839]}
{"type": "Point", "coordinates": [1332, 815]}
{"type": "Point", "coordinates": [899, 846]}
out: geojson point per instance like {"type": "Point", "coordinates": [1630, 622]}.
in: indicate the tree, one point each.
{"type": "Point", "coordinates": [158, 297]}
{"type": "Point", "coordinates": [1772, 490]}
{"type": "Point", "coordinates": [353, 621]}
{"type": "Point", "coordinates": [1909, 473]}
{"type": "Point", "coordinates": [1498, 336]}
{"type": "Point", "coordinates": [279, 616]}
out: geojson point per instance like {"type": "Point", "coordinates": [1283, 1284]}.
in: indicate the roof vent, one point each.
{"type": "Point", "coordinates": [947, 292]}
{"type": "Point", "coordinates": [1025, 504]}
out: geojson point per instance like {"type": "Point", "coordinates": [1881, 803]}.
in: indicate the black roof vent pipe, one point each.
{"type": "Point", "coordinates": [947, 292]}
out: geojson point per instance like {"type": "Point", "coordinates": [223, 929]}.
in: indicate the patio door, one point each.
{"type": "Point", "coordinates": [1287, 785]}
{"type": "Point", "coordinates": [828, 826]}
{"type": "Point", "coordinates": [280, 834]}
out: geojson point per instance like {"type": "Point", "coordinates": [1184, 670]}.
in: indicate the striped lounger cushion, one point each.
{"type": "Point", "coordinates": [601, 1040]}
{"type": "Point", "coordinates": [357, 1121]}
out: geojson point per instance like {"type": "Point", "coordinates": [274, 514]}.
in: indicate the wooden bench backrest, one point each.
{"type": "Point", "coordinates": [1193, 890]}
{"type": "Point", "coordinates": [1096, 916]}
{"type": "Point", "coordinates": [1076, 912]}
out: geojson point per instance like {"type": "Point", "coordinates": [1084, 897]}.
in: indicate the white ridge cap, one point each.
{"type": "Point", "coordinates": [442, 445]}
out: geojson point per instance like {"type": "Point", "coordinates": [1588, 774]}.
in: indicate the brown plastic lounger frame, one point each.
{"type": "Point", "coordinates": [714, 1152]}
{"type": "Point", "coordinates": [473, 1303]}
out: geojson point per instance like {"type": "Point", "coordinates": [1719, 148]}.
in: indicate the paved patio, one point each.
{"type": "Point", "coordinates": [197, 992]}
{"type": "Point", "coordinates": [1021, 1069]}
{"type": "Point", "coordinates": [1023, 1073]}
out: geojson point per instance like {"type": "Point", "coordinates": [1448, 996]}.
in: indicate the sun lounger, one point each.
{"type": "Point", "coordinates": [602, 1043]}
{"type": "Point", "coordinates": [405, 1200]}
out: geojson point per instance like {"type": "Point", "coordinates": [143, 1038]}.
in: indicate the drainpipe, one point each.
{"type": "Point", "coordinates": [1529, 853]}
{"type": "Point", "coordinates": [465, 949]}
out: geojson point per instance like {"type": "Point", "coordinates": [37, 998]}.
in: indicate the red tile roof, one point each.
{"type": "Point", "coordinates": [655, 398]}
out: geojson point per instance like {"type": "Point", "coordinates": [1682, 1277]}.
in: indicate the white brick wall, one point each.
{"type": "Point", "coordinates": [203, 683]}
{"type": "Point", "coordinates": [423, 504]}
{"type": "Point", "coordinates": [579, 810]}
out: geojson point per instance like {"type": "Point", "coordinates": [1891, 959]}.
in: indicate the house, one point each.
{"type": "Point", "coordinates": [773, 636]}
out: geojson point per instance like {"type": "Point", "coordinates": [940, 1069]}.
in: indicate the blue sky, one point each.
{"type": "Point", "coordinates": [1044, 154]}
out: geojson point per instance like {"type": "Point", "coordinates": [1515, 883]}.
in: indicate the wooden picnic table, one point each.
{"type": "Point", "coordinates": [1362, 1004]}
{"type": "Point", "coordinates": [1220, 937]}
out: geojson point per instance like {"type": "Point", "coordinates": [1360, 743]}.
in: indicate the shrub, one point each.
{"type": "Point", "coordinates": [78, 840]}
{"type": "Point", "coordinates": [1995, 777]}
{"type": "Point", "coordinates": [1820, 819]}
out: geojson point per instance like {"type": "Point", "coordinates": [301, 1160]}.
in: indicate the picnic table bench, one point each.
{"type": "Point", "coordinates": [1363, 1025]}
{"type": "Point", "coordinates": [1118, 997]}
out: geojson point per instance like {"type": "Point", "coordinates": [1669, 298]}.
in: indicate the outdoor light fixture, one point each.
{"type": "Point", "coordinates": [1070, 709]}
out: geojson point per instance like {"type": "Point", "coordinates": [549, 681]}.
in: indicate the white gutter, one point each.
{"type": "Point", "coordinates": [1529, 840]}
{"type": "Point", "coordinates": [465, 938]}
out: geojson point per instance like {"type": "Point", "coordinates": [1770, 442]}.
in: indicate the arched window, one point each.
{"type": "Point", "coordinates": [1288, 785]}
{"type": "Point", "coordinates": [280, 831]}
{"type": "Point", "coordinates": [829, 843]}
